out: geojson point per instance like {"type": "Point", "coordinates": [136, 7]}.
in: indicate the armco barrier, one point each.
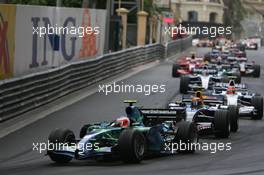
{"type": "Point", "coordinates": [18, 95]}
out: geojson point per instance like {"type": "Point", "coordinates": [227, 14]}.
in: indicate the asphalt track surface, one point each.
{"type": "Point", "coordinates": [245, 157]}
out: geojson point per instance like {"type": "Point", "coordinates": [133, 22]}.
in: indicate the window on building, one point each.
{"type": "Point", "coordinates": [212, 17]}
{"type": "Point", "coordinates": [192, 16]}
{"type": "Point", "coordinates": [215, 1]}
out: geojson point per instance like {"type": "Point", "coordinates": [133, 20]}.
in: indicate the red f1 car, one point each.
{"type": "Point", "coordinates": [185, 65]}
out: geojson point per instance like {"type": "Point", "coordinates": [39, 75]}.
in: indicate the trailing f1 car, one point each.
{"type": "Point", "coordinates": [210, 116]}
{"type": "Point", "coordinates": [205, 43]}
{"type": "Point", "coordinates": [185, 66]}
{"type": "Point", "coordinates": [232, 64]}
{"type": "Point", "coordinates": [251, 43]}
{"type": "Point", "coordinates": [249, 69]}
{"type": "Point", "coordinates": [141, 132]}
{"type": "Point", "coordinates": [205, 78]}
{"type": "Point", "coordinates": [249, 104]}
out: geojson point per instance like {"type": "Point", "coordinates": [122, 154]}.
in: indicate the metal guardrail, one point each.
{"type": "Point", "coordinates": [19, 95]}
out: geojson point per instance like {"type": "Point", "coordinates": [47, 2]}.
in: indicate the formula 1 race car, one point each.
{"type": "Point", "coordinates": [232, 64]}
{"type": "Point", "coordinates": [215, 53]}
{"type": "Point", "coordinates": [141, 132]}
{"type": "Point", "coordinates": [225, 55]}
{"type": "Point", "coordinates": [251, 43]}
{"type": "Point", "coordinates": [205, 78]}
{"type": "Point", "coordinates": [210, 116]}
{"type": "Point", "coordinates": [205, 43]}
{"type": "Point", "coordinates": [185, 65]}
{"type": "Point", "coordinates": [249, 104]}
{"type": "Point", "coordinates": [248, 69]}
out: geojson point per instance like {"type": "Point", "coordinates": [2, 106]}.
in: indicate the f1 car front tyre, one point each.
{"type": "Point", "coordinates": [221, 124]}
{"type": "Point", "coordinates": [131, 145]}
{"type": "Point", "coordinates": [257, 102]}
{"type": "Point", "coordinates": [184, 84]}
{"type": "Point", "coordinates": [187, 136]}
{"type": "Point", "coordinates": [58, 137]}
{"type": "Point", "coordinates": [233, 117]}
{"type": "Point", "coordinates": [175, 69]}
{"type": "Point", "coordinates": [256, 72]}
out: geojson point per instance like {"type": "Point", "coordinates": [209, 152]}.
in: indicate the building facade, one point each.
{"type": "Point", "coordinates": [208, 11]}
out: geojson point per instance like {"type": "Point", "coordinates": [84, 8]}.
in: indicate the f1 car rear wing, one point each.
{"type": "Point", "coordinates": [234, 58]}
{"type": "Point", "coordinates": [210, 71]}
{"type": "Point", "coordinates": [208, 100]}
{"type": "Point", "coordinates": [164, 114]}
{"type": "Point", "coordinates": [226, 85]}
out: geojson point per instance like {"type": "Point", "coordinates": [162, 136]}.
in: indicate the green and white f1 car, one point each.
{"type": "Point", "coordinates": [141, 132]}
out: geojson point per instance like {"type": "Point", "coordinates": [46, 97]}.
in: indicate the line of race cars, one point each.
{"type": "Point", "coordinates": [213, 83]}
{"type": "Point", "coordinates": [251, 43]}
{"type": "Point", "coordinates": [213, 99]}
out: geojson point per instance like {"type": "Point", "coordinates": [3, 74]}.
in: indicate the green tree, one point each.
{"type": "Point", "coordinates": [234, 14]}
{"type": "Point", "coordinates": [151, 8]}
{"type": "Point", "coordinates": [33, 2]}
{"type": "Point", "coordinates": [65, 3]}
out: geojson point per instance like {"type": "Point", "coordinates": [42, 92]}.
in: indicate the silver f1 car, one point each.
{"type": "Point", "coordinates": [205, 78]}
{"type": "Point", "coordinates": [249, 104]}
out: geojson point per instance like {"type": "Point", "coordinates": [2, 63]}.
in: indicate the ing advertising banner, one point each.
{"type": "Point", "coordinates": [7, 40]}
{"type": "Point", "coordinates": [64, 41]}
{"type": "Point", "coordinates": [71, 34]}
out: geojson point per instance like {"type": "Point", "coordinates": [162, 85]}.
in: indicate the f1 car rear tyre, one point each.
{"type": "Point", "coordinates": [184, 84]}
{"type": "Point", "coordinates": [256, 46]}
{"type": "Point", "coordinates": [257, 102]}
{"type": "Point", "coordinates": [256, 72]}
{"type": "Point", "coordinates": [131, 145]}
{"type": "Point", "coordinates": [233, 117]}
{"type": "Point", "coordinates": [221, 124]}
{"type": "Point", "coordinates": [175, 69]}
{"type": "Point", "coordinates": [60, 136]}
{"type": "Point", "coordinates": [187, 136]}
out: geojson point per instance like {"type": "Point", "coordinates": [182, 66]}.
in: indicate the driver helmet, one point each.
{"type": "Point", "coordinates": [206, 62]}
{"type": "Point", "coordinates": [123, 121]}
{"type": "Point", "coordinates": [199, 94]}
{"type": "Point", "coordinates": [205, 71]}
{"type": "Point", "coordinates": [196, 102]}
{"type": "Point", "coordinates": [231, 88]}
